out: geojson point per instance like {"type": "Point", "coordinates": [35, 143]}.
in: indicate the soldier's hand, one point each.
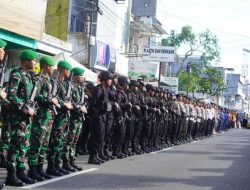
{"type": "Point", "coordinates": [138, 108]}
{"type": "Point", "coordinates": [84, 109]}
{"type": "Point", "coordinates": [29, 111]}
{"type": "Point", "coordinates": [68, 105]}
{"type": "Point", "coordinates": [3, 94]}
{"type": "Point", "coordinates": [116, 106]}
{"type": "Point", "coordinates": [54, 101]}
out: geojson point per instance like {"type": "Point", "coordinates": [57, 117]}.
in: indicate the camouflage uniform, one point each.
{"type": "Point", "coordinates": [75, 126]}
{"type": "Point", "coordinates": [59, 126]}
{"type": "Point", "coordinates": [5, 132]}
{"type": "Point", "coordinates": [42, 124]}
{"type": "Point", "coordinates": [19, 90]}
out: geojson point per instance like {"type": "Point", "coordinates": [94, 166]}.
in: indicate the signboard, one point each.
{"type": "Point", "coordinates": [23, 17]}
{"type": "Point", "coordinates": [170, 83]}
{"type": "Point", "coordinates": [159, 53]}
{"type": "Point", "coordinates": [139, 68]}
{"type": "Point", "coordinates": [103, 56]}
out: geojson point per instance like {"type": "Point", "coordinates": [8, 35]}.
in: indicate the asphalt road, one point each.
{"type": "Point", "coordinates": [218, 163]}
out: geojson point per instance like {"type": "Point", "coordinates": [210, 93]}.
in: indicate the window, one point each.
{"type": "Point", "coordinates": [76, 25]}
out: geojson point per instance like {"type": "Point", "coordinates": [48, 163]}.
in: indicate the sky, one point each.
{"type": "Point", "coordinates": [229, 20]}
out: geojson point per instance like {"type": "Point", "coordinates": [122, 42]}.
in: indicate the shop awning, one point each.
{"type": "Point", "coordinates": [90, 75]}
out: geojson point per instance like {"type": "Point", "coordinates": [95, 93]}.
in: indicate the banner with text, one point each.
{"type": "Point", "coordinates": [159, 53]}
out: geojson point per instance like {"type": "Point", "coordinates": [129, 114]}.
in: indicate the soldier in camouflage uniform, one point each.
{"type": "Point", "coordinates": [4, 143]}
{"type": "Point", "coordinates": [60, 121]}
{"type": "Point", "coordinates": [5, 127]}
{"type": "Point", "coordinates": [42, 123]}
{"type": "Point", "coordinates": [19, 91]}
{"type": "Point", "coordinates": [75, 122]}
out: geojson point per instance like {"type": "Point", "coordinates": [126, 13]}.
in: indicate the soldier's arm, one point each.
{"type": "Point", "coordinates": [41, 98]}
{"type": "Point", "coordinates": [14, 83]}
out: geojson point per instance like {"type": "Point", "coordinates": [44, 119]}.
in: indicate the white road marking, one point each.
{"type": "Point", "coordinates": [194, 141]}
{"type": "Point", "coordinates": [161, 150]}
{"type": "Point", "coordinates": [58, 178]}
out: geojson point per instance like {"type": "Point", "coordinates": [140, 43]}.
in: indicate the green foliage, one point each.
{"type": "Point", "coordinates": [189, 80]}
{"type": "Point", "coordinates": [205, 44]}
{"type": "Point", "coordinates": [201, 78]}
{"type": "Point", "coordinates": [213, 83]}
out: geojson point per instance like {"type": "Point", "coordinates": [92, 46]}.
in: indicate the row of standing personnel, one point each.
{"type": "Point", "coordinates": [127, 117]}
{"type": "Point", "coordinates": [44, 117]}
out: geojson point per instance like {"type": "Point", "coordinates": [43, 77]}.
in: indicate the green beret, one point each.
{"type": "Point", "coordinates": [28, 55]}
{"type": "Point", "coordinates": [77, 71]}
{"type": "Point", "coordinates": [65, 65]}
{"type": "Point", "coordinates": [47, 60]}
{"type": "Point", "coordinates": [2, 43]}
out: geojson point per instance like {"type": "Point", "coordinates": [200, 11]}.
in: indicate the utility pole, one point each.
{"type": "Point", "coordinates": [89, 34]}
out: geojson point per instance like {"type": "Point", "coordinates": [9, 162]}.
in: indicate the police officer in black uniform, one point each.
{"type": "Point", "coordinates": [100, 105]}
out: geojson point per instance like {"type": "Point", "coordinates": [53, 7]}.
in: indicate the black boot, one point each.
{"type": "Point", "coordinates": [51, 170]}
{"type": "Point", "coordinates": [102, 156]}
{"type": "Point", "coordinates": [23, 177]}
{"type": "Point", "coordinates": [100, 160]}
{"type": "Point", "coordinates": [117, 154]}
{"type": "Point", "coordinates": [121, 153]}
{"type": "Point", "coordinates": [106, 153]}
{"type": "Point", "coordinates": [40, 171]}
{"type": "Point", "coordinates": [12, 180]}
{"type": "Point", "coordinates": [61, 170]}
{"type": "Point", "coordinates": [66, 166]}
{"type": "Point", "coordinates": [93, 159]}
{"type": "Point", "coordinates": [72, 163]}
{"type": "Point", "coordinates": [34, 175]}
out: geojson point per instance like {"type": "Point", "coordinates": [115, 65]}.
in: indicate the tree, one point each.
{"type": "Point", "coordinates": [205, 44]}
{"type": "Point", "coordinates": [188, 79]}
{"type": "Point", "coordinates": [203, 77]}
{"type": "Point", "coordinates": [213, 82]}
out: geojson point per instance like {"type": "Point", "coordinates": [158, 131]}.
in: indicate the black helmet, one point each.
{"type": "Point", "coordinates": [105, 75]}
{"type": "Point", "coordinates": [141, 83]}
{"type": "Point", "coordinates": [90, 85]}
{"type": "Point", "coordinates": [134, 83]}
{"type": "Point", "coordinates": [157, 90]}
{"type": "Point", "coordinates": [149, 87]}
{"type": "Point", "coordinates": [123, 81]}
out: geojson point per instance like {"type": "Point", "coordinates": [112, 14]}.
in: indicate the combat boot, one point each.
{"type": "Point", "coordinates": [102, 156]}
{"type": "Point", "coordinates": [106, 153]}
{"type": "Point", "coordinates": [12, 180]}
{"type": "Point", "coordinates": [116, 153]}
{"type": "Point", "coordinates": [72, 163]}
{"type": "Point", "coordinates": [40, 171]}
{"type": "Point", "coordinates": [93, 159]}
{"type": "Point", "coordinates": [60, 169]}
{"type": "Point", "coordinates": [51, 170]}
{"type": "Point", "coordinates": [101, 160]}
{"type": "Point", "coordinates": [34, 175]}
{"type": "Point", "coordinates": [67, 167]}
{"type": "Point", "coordinates": [23, 177]}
